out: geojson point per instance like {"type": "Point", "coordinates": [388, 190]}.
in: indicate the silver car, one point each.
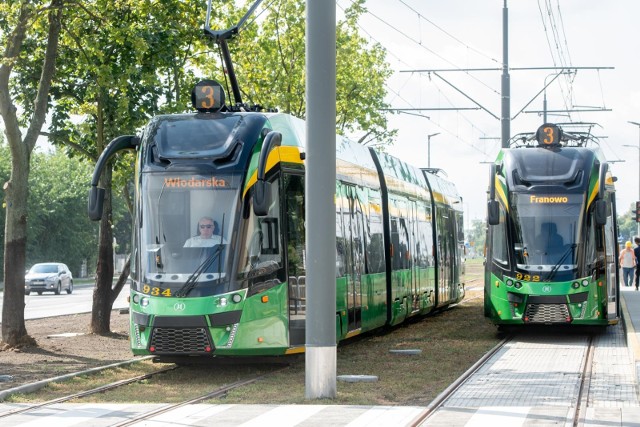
{"type": "Point", "coordinates": [48, 277]}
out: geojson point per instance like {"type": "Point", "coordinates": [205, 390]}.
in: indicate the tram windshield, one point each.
{"type": "Point", "coordinates": [187, 222]}
{"type": "Point", "coordinates": [546, 232]}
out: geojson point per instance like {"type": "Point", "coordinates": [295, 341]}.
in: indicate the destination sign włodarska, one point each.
{"type": "Point", "coordinates": [194, 182]}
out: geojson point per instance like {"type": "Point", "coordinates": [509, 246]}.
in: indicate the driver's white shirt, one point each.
{"type": "Point", "coordinates": [200, 242]}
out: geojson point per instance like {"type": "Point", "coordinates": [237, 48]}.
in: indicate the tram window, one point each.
{"type": "Point", "coordinates": [340, 245]}
{"type": "Point", "coordinates": [262, 242]}
{"type": "Point", "coordinates": [591, 256]}
{"type": "Point", "coordinates": [269, 230]}
{"type": "Point", "coordinates": [424, 244]}
{"type": "Point", "coordinates": [460, 227]}
{"type": "Point", "coordinates": [499, 240]}
{"type": "Point", "coordinates": [404, 244]}
{"type": "Point", "coordinates": [375, 247]}
{"type": "Point", "coordinates": [395, 242]}
{"type": "Point", "coordinates": [295, 217]}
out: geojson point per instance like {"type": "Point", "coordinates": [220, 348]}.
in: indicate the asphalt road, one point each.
{"type": "Point", "coordinates": [48, 304]}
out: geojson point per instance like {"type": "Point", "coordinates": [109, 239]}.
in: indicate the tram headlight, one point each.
{"type": "Point", "coordinates": [144, 301]}
{"type": "Point", "coordinates": [136, 298]}
{"type": "Point", "coordinates": [236, 298]}
{"type": "Point", "coordinates": [509, 282]}
{"type": "Point", "coordinates": [222, 302]}
{"type": "Point", "coordinates": [575, 285]}
{"type": "Point", "coordinates": [585, 282]}
{"type": "Point", "coordinates": [518, 285]}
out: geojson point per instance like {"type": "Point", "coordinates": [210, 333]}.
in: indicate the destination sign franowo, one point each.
{"type": "Point", "coordinates": [548, 199]}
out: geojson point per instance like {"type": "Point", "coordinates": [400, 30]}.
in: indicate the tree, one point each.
{"type": "Point", "coordinates": [627, 225]}
{"type": "Point", "coordinates": [22, 24]}
{"type": "Point", "coordinates": [59, 229]}
{"type": "Point", "coordinates": [123, 62]}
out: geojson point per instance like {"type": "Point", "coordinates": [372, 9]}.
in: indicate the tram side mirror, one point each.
{"type": "Point", "coordinates": [493, 212]}
{"type": "Point", "coordinates": [96, 195]}
{"type": "Point", "coordinates": [261, 192]}
{"type": "Point", "coordinates": [600, 212]}
{"type": "Point", "coordinates": [261, 197]}
{"type": "Point", "coordinates": [96, 202]}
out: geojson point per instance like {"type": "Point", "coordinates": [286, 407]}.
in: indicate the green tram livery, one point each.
{"type": "Point", "coordinates": [552, 255]}
{"type": "Point", "coordinates": [241, 290]}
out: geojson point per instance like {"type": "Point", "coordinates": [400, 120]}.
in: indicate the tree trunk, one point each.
{"type": "Point", "coordinates": [102, 294]}
{"type": "Point", "coordinates": [14, 331]}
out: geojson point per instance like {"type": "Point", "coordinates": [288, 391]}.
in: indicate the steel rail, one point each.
{"type": "Point", "coordinates": [215, 393]}
{"type": "Point", "coordinates": [439, 401]}
{"type": "Point", "coordinates": [582, 400]}
{"type": "Point", "coordinates": [96, 390]}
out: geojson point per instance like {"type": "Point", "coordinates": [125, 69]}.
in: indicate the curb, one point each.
{"type": "Point", "coordinates": [632, 336]}
{"type": "Point", "coordinates": [29, 388]}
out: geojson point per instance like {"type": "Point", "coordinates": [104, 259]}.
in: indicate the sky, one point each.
{"type": "Point", "coordinates": [464, 34]}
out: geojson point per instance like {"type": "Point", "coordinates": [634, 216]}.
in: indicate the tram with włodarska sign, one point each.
{"type": "Point", "coordinates": [240, 290]}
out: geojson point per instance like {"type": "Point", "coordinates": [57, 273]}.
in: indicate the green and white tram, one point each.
{"type": "Point", "coordinates": [552, 256]}
{"type": "Point", "coordinates": [231, 183]}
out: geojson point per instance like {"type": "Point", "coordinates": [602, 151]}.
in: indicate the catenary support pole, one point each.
{"type": "Point", "coordinates": [506, 84]}
{"type": "Point", "coordinates": [320, 356]}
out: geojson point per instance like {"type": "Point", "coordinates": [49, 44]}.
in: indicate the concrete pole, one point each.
{"type": "Point", "coordinates": [320, 183]}
{"type": "Point", "coordinates": [506, 84]}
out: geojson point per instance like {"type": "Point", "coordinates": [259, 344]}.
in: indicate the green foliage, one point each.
{"type": "Point", "coordinates": [58, 227]}
{"type": "Point", "coordinates": [269, 60]}
{"type": "Point", "coordinates": [627, 225]}
{"type": "Point", "coordinates": [476, 236]}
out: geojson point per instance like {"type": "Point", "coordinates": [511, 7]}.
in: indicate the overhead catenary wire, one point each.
{"type": "Point", "coordinates": [418, 43]}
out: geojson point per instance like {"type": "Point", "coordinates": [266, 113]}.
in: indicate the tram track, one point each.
{"type": "Point", "coordinates": [576, 415]}
{"type": "Point", "coordinates": [440, 400]}
{"type": "Point", "coordinates": [217, 392]}
{"type": "Point", "coordinates": [220, 391]}
{"type": "Point", "coordinates": [101, 389]}
{"type": "Point", "coordinates": [582, 400]}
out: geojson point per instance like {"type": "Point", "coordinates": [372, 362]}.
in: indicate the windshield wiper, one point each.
{"type": "Point", "coordinates": [192, 281]}
{"type": "Point", "coordinates": [560, 261]}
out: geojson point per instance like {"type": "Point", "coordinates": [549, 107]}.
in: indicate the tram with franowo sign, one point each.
{"type": "Point", "coordinates": [552, 253]}
{"type": "Point", "coordinates": [218, 261]}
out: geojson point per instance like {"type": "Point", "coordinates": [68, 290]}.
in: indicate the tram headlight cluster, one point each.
{"type": "Point", "coordinates": [583, 282]}
{"type": "Point", "coordinates": [511, 282]}
{"type": "Point", "coordinates": [142, 300]}
{"type": "Point", "coordinates": [235, 298]}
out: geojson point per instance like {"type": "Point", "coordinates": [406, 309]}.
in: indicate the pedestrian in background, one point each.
{"type": "Point", "coordinates": [636, 251]}
{"type": "Point", "coordinates": [628, 263]}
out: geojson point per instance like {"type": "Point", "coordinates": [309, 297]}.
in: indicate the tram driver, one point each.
{"type": "Point", "coordinates": [207, 234]}
{"type": "Point", "coordinates": [549, 237]}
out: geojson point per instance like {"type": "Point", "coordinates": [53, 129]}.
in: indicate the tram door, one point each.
{"type": "Point", "coordinates": [353, 223]}
{"type": "Point", "coordinates": [611, 256]}
{"type": "Point", "coordinates": [294, 217]}
{"type": "Point", "coordinates": [414, 246]}
{"type": "Point", "coordinates": [443, 256]}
